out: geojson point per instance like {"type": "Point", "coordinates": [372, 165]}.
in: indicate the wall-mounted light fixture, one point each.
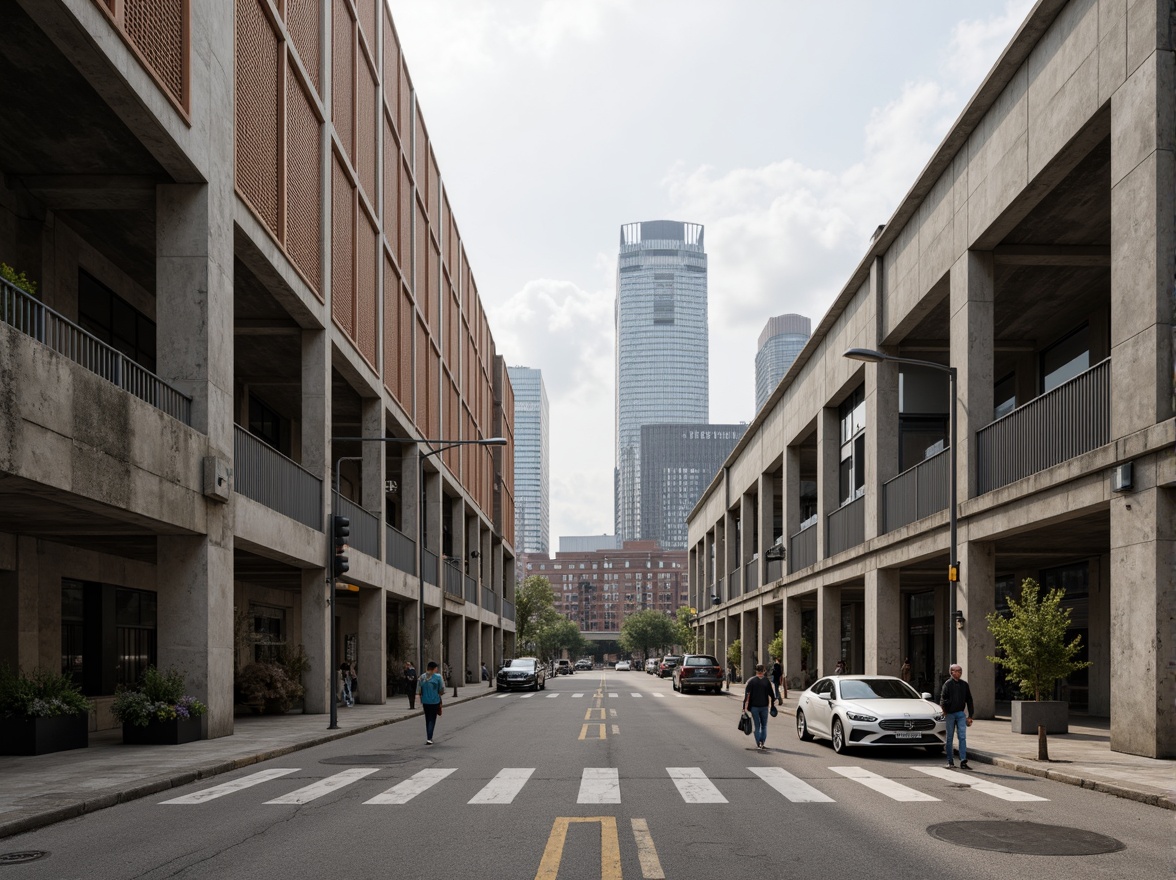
{"type": "Point", "coordinates": [959, 619]}
{"type": "Point", "coordinates": [1122, 477]}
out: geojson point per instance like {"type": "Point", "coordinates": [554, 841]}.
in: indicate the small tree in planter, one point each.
{"type": "Point", "coordinates": [735, 654]}
{"type": "Point", "coordinates": [41, 712]}
{"type": "Point", "coordinates": [158, 712]}
{"type": "Point", "coordinates": [1032, 641]}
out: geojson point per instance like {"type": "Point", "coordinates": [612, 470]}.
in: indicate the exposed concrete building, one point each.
{"type": "Point", "coordinates": [532, 480]}
{"type": "Point", "coordinates": [780, 342]}
{"type": "Point", "coordinates": [232, 271]}
{"type": "Point", "coordinates": [1034, 255]}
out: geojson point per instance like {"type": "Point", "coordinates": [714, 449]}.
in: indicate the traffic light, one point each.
{"type": "Point", "coordinates": [340, 529]}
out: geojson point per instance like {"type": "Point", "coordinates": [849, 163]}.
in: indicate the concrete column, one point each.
{"type": "Point", "coordinates": [766, 516]}
{"type": "Point", "coordinates": [794, 658]}
{"type": "Point", "coordinates": [883, 654]}
{"type": "Point", "coordinates": [372, 485]}
{"type": "Point", "coordinates": [720, 558]}
{"type": "Point", "coordinates": [373, 645]}
{"type": "Point", "coordinates": [1143, 240]}
{"type": "Point", "coordinates": [473, 653]}
{"type": "Point", "coordinates": [881, 441]}
{"type": "Point", "coordinates": [972, 295]}
{"type": "Point", "coordinates": [316, 403]}
{"type": "Point", "coordinates": [828, 629]}
{"type": "Point", "coordinates": [767, 631]}
{"type": "Point", "coordinates": [21, 611]}
{"type": "Point", "coordinates": [1099, 636]}
{"type": "Point", "coordinates": [828, 462]}
{"type": "Point", "coordinates": [316, 641]}
{"type": "Point", "coordinates": [1143, 608]}
{"type": "Point", "coordinates": [454, 626]}
{"type": "Point", "coordinates": [974, 643]}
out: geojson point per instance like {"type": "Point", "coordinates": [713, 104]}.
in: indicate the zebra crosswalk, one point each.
{"type": "Point", "coordinates": [580, 694]}
{"type": "Point", "coordinates": [602, 785]}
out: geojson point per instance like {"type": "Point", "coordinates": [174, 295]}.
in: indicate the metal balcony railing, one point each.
{"type": "Point", "coordinates": [802, 548]}
{"type": "Point", "coordinates": [490, 600]}
{"type": "Point", "coordinates": [751, 576]}
{"type": "Point", "coordinates": [846, 526]}
{"type": "Point", "coordinates": [401, 550]}
{"type": "Point", "coordinates": [735, 579]}
{"type": "Point", "coordinates": [262, 473]}
{"type": "Point", "coordinates": [429, 564]}
{"type": "Point", "coordinates": [471, 590]}
{"type": "Point", "coordinates": [365, 527]}
{"type": "Point", "coordinates": [508, 610]}
{"type": "Point", "coordinates": [33, 318]}
{"type": "Point", "coordinates": [1059, 425]}
{"type": "Point", "coordinates": [453, 578]}
{"type": "Point", "coordinates": [917, 492]}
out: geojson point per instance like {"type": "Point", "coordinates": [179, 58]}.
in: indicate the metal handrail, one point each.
{"type": "Point", "coordinates": [802, 548]}
{"type": "Point", "coordinates": [401, 550]}
{"type": "Point", "coordinates": [453, 578]}
{"type": "Point", "coordinates": [429, 564]}
{"type": "Point", "coordinates": [262, 473]}
{"type": "Point", "coordinates": [917, 492]}
{"type": "Point", "coordinates": [365, 527]}
{"type": "Point", "coordinates": [846, 526]}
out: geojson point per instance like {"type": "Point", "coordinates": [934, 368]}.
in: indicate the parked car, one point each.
{"type": "Point", "coordinates": [651, 665]}
{"type": "Point", "coordinates": [584, 665]}
{"type": "Point", "coordinates": [869, 710]}
{"type": "Point", "coordinates": [666, 667]}
{"type": "Point", "coordinates": [522, 674]}
{"type": "Point", "coordinates": [699, 672]}
{"type": "Point", "coordinates": [623, 666]}
{"type": "Point", "coordinates": [561, 667]}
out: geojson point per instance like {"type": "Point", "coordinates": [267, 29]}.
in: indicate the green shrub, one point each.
{"type": "Point", "coordinates": [159, 697]}
{"type": "Point", "coordinates": [269, 687]}
{"type": "Point", "coordinates": [39, 694]}
{"type": "Point", "coordinates": [18, 278]}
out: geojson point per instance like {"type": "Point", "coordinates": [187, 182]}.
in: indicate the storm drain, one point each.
{"type": "Point", "coordinates": [1025, 838]}
{"type": "Point", "coordinates": [365, 760]}
{"type": "Point", "coordinates": [19, 858]}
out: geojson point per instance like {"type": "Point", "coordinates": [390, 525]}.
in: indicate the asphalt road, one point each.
{"type": "Point", "coordinates": [602, 776]}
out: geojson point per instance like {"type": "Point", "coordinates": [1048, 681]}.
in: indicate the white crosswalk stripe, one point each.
{"type": "Point", "coordinates": [552, 696]}
{"type": "Point", "coordinates": [894, 790]}
{"type": "Point", "coordinates": [324, 786]}
{"type": "Point", "coordinates": [638, 696]}
{"type": "Point", "coordinates": [660, 696]}
{"type": "Point", "coordinates": [796, 790]}
{"type": "Point", "coordinates": [232, 786]}
{"type": "Point", "coordinates": [979, 784]}
{"type": "Point", "coordinates": [504, 787]}
{"type": "Point", "coordinates": [403, 792]}
{"type": "Point", "coordinates": [614, 695]}
{"type": "Point", "coordinates": [577, 695]}
{"type": "Point", "coordinates": [694, 786]}
{"type": "Point", "coordinates": [600, 785]}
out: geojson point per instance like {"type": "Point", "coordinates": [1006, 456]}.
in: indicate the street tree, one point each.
{"type": "Point", "coordinates": [556, 633]}
{"type": "Point", "coordinates": [684, 632]}
{"type": "Point", "coordinates": [645, 630]}
{"type": "Point", "coordinates": [534, 605]}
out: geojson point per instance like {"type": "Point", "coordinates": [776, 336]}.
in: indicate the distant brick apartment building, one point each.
{"type": "Point", "coordinates": [243, 248]}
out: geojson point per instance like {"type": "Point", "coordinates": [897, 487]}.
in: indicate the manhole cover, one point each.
{"type": "Point", "coordinates": [365, 760]}
{"type": "Point", "coordinates": [16, 858]}
{"type": "Point", "coordinates": [1025, 838]}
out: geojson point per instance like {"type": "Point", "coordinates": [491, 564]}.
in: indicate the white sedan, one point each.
{"type": "Point", "coordinates": [869, 710]}
{"type": "Point", "coordinates": [624, 666]}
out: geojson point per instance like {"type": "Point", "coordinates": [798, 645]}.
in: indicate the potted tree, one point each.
{"type": "Point", "coordinates": [41, 712]}
{"type": "Point", "coordinates": [1032, 648]}
{"type": "Point", "coordinates": [158, 712]}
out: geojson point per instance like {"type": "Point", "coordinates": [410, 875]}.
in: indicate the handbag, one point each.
{"type": "Point", "coordinates": [745, 722]}
{"type": "Point", "coordinates": [773, 711]}
{"type": "Point", "coordinates": [439, 708]}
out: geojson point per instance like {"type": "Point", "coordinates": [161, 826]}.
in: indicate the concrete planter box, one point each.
{"type": "Point", "coordinates": [1028, 714]}
{"type": "Point", "coordinates": [163, 733]}
{"type": "Point", "coordinates": [40, 736]}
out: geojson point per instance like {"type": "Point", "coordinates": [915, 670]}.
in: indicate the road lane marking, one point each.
{"type": "Point", "coordinates": [660, 696]}
{"type": "Point", "coordinates": [574, 696]}
{"type": "Point", "coordinates": [651, 868]}
{"type": "Point", "coordinates": [796, 790]}
{"type": "Point", "coordinates": [612, 713]}
{"type": "Point", "coordinates": [224, 788]}
{"type": "Point", "coordinates": [324, 786]}
{"type": "Point", "coordinates": [638, 696]}
{"type": "Point", "coordinates": [894, 790]}
{"type": "Point", "coordinates": [613, 695]}
{"type": "Point", "coordinates": [528, 696]}
{"type": "Point", "coordinates": [599, 728]}
{"type": "Point", "coordinates": [694, 787]}
{"type": "Point", "coordinates": [616, 729]}
{"type": "Point", "coordinates": [591, 714]}
{"type": "Point", "coordinates": [504, 787]}
{"type": "Point", "coordinates": [979, 784]}
{"type": "Point", "coordinates": [610, 847]}
{"type": "Point", "coordinates": [405, 791]}
{"type": "Point", "coordinates": [600, 785]}
{"type": "Point", "coordinates": [502, 696]}
{"type": "Point", "coordinates": [552, 696]}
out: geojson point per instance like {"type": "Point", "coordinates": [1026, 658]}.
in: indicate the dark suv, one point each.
{"type": "Point", "coordinates": [522, 673]}
{"type": "Point", "coordinates": [667, 665]}
{"type": "Point", "coordinates": [698, 672]}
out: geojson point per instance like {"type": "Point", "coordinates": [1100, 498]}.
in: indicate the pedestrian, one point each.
{"type": "Point", "coordinates": [839, 669]}
{"type": "Point", "coordinates": [431, 688]}
{"type": "Point", "coordinates": [345, 676]}
{"type": "Point", "coordinates": [778, 682]}
{"type": "Point", "coordinates": [730, 673]}
{"type": "Point", "coordinates": [905, 672]}
{"type": "Point", "coordinates": [956, 701]}
{"type": "Point", "coordinates": [485, 673]}
{"type": "Point", "coordinates": [410, 683]}
{"type": "Point", "coordinates": [757, 699]}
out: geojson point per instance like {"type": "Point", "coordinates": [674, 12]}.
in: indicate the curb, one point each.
{"type": "Point", "coordinates": [1152, 799]}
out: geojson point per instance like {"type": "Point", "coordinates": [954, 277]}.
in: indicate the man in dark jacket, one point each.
{"type": "Point", "coordinates": [956, 701]}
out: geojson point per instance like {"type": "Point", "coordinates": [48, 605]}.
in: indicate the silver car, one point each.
{"type": "Point", "coordinates": [869, 710]}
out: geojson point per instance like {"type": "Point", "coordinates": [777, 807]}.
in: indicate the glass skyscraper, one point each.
{"type": "Point", "coordinates": [531, 484]}
{"type": "Point", "coordinates": [779, 343]}
{"type": "Point", "coordinates": [663, 367]}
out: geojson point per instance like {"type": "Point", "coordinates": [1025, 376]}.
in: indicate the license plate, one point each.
{"type": "Point", "coordinates": [908, 736]}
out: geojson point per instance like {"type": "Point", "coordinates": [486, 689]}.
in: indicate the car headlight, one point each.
{"type": "Point", "coordinates": [858, 716]}
{"type": "Point", "coordinates": [940, 717]}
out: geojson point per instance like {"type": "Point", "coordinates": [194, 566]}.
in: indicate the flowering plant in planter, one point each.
{"type": "Point", "coordinates": [39, 694]}
{"type": "Point", "coordinates": [159, 697]}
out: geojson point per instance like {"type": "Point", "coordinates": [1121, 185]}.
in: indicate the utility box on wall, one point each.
{"type": "Point", "coordinates": [218, 478]}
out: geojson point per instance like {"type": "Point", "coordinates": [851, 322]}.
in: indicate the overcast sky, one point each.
{"type": "Point", "coordinates": [790, 130]}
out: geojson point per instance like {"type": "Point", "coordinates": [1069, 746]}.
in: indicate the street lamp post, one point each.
{"type": "Point", "coordinates": [871, 356]}
{"type": "Point", "coordinates": [433, 449]}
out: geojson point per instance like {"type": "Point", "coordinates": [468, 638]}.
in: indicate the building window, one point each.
{"type": "Point", "coordinates": [1065, 359]}
{"type": "Point", "coordinates": [266, 425]}
{"type": "Point", "coordinates": [1004, 396]}
{"type": "Point", "coordinates": [108, 635]}
{"type": "Point", "coordinates": [107, 316]}
{"type": "Point", "coordinates": [269, 633]}
{"type": "Point", "coordinates": [852, 473]}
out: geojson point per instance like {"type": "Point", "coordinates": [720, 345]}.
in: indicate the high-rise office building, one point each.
{"type": "Point", "coordinates": [677, 463]}
{"type": "Point", "coordinates": [779, 343]}
{"type": "Point", "coordinates": [531, 461]}
{"type": "Point", "coordinates": [662, 346]}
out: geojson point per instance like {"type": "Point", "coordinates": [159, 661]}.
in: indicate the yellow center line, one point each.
{"type": "Point", "coordinates": [610, 848]}
{"type": "Point", "coordinates": [600, 731]}
{"type": "Point", "coordinates": [592, 713]}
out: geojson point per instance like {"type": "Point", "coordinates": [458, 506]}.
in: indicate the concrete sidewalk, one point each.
{"type": "Point", "coordinates": [38, 791]}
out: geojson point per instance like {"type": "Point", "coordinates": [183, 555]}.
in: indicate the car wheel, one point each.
{"type": "Point", "coordinates": [802, 730]}
{"type": "Point", "coordinates": [839, 745]}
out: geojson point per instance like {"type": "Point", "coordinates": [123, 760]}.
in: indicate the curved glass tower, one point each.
{"type": "Point", "coordinates": [663, 367]}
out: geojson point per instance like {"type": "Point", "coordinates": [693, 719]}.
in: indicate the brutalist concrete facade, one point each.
{"type": "Point", "coordinates": [231, 272]}
{"type": "Point", "coordinates": [1035, 254]}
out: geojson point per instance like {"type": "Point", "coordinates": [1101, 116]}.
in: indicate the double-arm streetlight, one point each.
{"type": "Point", "coordinates": [434, 447]}
{"type": "Point", "coordinates": [871, 356]}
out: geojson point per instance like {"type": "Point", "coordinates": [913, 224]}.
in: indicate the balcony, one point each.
{"type": "Point", "coordinates": [1059, 425]}
{"type": "Point", "coordinates": [508, 610]}
{"type": "Point", "coordinates": [365, 527]}
{"type": "Point", "coordinates": [429, 564]}
{"type": "Point", "coordinates": [453, 580]}
{"type": "Point", "coordinates": [401, 550]}
{"type": "Point", "coordinates": [917, 492]}
{"type": "Point", "coordinates": [35, 319]}
{"type": "Point", "coordinates": [262, 473]}
{"type": "Point", "coordinates": [802, 548]}
{"type": "Point", "coordinates": [847, 526]}
{"type": "Point", "coordinates": [471, 590]}
{"type": "Point", "coordinates": [490, 600]}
